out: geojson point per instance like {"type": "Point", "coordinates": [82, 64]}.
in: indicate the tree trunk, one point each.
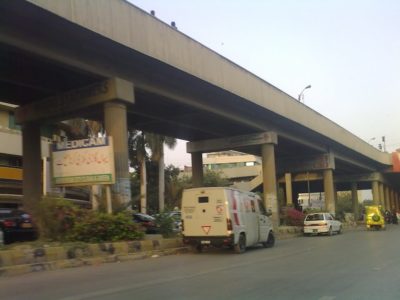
{"type": "Point", "coordinates": [143, 187]}
{"type": "Point", "coordinates": [161, 180]}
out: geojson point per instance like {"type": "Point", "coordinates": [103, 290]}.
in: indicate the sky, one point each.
{"type": "Point", "coordinates": [347, 50]}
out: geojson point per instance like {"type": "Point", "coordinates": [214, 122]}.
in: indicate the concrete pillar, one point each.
{"type": "Point", "coordinates": [32, 166]}
{"type": "Point", "coordinates": [115, 122]}
{"type": "Point", "coordinates": [354, 197]}
{"type": "Point", "coordinates": [392, 200]}
{"type": "Point", "coordinates": [288, 188]}
{"type": "Point", "coordinates": [387, 198]}
{"type": "Point", "coordinates": [375, 192]}
{"type": "Point", "coordinates": [269, 181]}
{"type": "Point", "coordinates": [329, 191]}
{"type": "Point", "coordinates": [197, 169]}
{"type": "Point", "coordinates": [381, 194]}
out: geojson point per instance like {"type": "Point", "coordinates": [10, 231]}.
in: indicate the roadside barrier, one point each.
{"type": "Point", "coordinates": [23, 259]}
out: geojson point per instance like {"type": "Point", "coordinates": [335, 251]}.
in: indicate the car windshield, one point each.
{"type": "Point", "coordinates": [315, 217]}
{"type": "Point", "coordinates": [5, 213]}
{"type": "Point", "coordinates": [143, 217]}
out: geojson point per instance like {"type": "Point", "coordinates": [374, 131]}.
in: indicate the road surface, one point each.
{"type": "Point", "coordinates": [354, 265]}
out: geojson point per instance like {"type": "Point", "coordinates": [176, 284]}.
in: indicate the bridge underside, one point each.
{"type": "Point", "coordinates": [38, 61]}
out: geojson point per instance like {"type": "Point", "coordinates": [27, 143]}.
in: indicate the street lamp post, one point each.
{"type": "Point", "coordinates": [301, 95]}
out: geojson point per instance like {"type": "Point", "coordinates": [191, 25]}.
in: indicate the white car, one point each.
{"type": "Point", "coordinates": [321, 223]}
{"type": "Point", "coordinates": [176, 216]}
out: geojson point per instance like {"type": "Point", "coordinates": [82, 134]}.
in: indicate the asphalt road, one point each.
{"type": "Point", "coordinates": [354, 265]}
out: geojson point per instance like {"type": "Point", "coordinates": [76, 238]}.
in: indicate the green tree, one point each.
{"type": "Point", "coordinates": [80, 128]}
{"type": "Point", "coordinates": [156, 144]}
{"type": "Point", "coordinates": [213, 178]}
{"type": "Point", "coordinates": [343, 204]}
{"type": "Point", "coordinates": [174, 186]}
{"type": "Point", "coordinates": [138, 157]}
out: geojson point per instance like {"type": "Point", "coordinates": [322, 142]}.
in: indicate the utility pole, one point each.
{"type": "Point", "coordinates": [384, 143]}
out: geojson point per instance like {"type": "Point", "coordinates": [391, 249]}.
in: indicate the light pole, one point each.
{"type": "Point", "coordinates": [384, 143]}
{"type": "Point", "coordinates": [301, 95]}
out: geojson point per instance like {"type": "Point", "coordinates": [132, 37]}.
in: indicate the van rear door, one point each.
{"type": "Point", "coordinates": [204, 212]}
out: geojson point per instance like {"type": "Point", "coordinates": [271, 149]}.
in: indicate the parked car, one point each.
{"type": "Point", "coordinates": [374, 217]}
{"type": "Point", "coordinates": [147, 222]}
{"type": "Point", "coordinates": [325, 223]}
{"type": "Point", "coordinates": [177, 217]}
{"type": "Point", "coordinates": [16, 225]}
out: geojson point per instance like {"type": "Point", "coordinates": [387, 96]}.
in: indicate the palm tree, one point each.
{"type": "Point", "coordinates": [137, 151]}
{"type": "Point", "coordinates": [156, 143]}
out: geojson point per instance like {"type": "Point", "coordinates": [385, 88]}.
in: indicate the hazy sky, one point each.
{"type": "Point", "coordinates": [348, 50]}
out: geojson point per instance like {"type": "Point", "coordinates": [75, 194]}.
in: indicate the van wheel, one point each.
{"type": "Point", "coordinates": [240, 247]}
{"type": "Point", "coordinates": [270, 241]}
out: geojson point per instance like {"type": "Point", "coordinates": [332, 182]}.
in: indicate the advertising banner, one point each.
{"type": "Point", "coordinates": [83, 162]}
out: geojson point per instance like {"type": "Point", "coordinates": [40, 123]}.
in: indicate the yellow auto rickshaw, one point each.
{"type": "Point", "coordinates": [374, 218]}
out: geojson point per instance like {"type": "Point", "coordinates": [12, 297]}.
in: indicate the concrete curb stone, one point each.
{"type": "Point", "coordinates": [26, 259]}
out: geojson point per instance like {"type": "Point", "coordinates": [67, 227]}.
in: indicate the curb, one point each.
{"type": "Point", "coordinates": [80, 262]}
{"type": "Point", "coordinates": [25, 259]}
{"type": "Point", "coordinates": [288, 232]}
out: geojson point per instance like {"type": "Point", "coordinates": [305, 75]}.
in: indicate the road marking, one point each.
{"type": "Point", "coordinates": [327, 298]}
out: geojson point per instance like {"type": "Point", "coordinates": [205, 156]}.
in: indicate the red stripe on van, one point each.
{"type": "Point", "coordinates": [236, 217]}
{"type": "Point", "coordinates": [234, 201]}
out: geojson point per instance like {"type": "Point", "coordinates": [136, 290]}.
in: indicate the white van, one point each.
{"type": "Point", "coordinates": [220, 216]}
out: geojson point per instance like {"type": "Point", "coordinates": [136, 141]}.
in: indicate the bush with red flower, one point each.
{"type": "Point", "coordinates": [292, 217]}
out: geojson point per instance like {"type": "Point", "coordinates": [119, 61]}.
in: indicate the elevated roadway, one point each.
{"type": "Point", "coordinates": [50, 49]}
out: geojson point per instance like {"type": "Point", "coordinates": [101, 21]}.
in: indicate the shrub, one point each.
{"type": "Point", "coordinates": [166, 224]}
{"type": "Point", "coordinates": [61, 220]}
{"type": "Point", "coordinates": [56, 217]}
{"type": "Point", "coordinates": [292, 217]}
{"type": "Point", "coordinates": [101, 227]}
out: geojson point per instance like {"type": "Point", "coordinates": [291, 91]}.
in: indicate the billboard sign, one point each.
{"type": "Point", "coordinates": [83, 162]}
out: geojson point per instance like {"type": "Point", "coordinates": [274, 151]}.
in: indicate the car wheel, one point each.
{"type": "Point", "coordinates": [240, 247]}
{"type": "Point", "coordinates": [330, 232]}
{"type": "Point", "coordinates": [340, 230]}
{"type": "Point", "coordinates": [270, 241]}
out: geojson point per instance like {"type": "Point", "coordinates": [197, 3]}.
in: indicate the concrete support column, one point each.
{"type": "Point", "coordinates": [392, 200]}
{"type": "Point", "coordinates": [354, 197]}
{"type": "Point", "coordinates": [269, 181]}
{"type": "Point", "coordinates": [375, 192]}
{"type": "Point", "coordinates": [32, 166]}
{"type": "Point", "coordinates": [381, 194]}
{"type": "Point", "coordinates": [197, 169]}
{"type": "Point", "coordinates": [329, 191]}
{"type": "Point", "coordinates": [288, 188]}
{"type": "Point", "coordinates": [115, 122]}
{"type": "Point", "coordinates": [387, 198]}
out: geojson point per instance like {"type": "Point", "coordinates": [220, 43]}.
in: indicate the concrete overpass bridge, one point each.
{"type": "Point", "coordinates": [110, 61]}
